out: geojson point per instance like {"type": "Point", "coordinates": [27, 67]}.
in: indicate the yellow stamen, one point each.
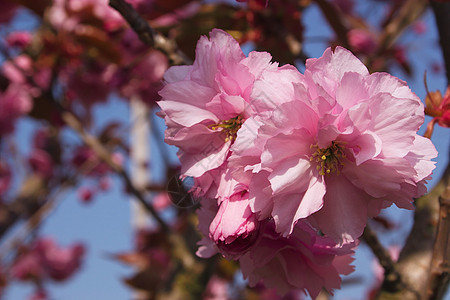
{"type": "Point", "coordinates": [329, 159]}
{"type": "Point", "coordinates": [229, 127]}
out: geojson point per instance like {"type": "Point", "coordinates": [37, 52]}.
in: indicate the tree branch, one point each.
{"type": "Point", "coordinates": [415, 257]}
{"type": "Point", "coordinates": [148, 35]}
{"type": "Point", "coordinates": [392, 278]}
{"type": "Point", "coordinates": [334, 18]}
{"type": "Point", "coordinates": [440, 262]}
{"type": "Point", "coordinates": [105, 156]}
{"type": "Point", "coordinates": [442, 13]}
{"type": "Point", "coordinates": [408, 13]}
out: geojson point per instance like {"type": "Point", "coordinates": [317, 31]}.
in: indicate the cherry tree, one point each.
{"type": "Point", "coordinates": [290, 147]}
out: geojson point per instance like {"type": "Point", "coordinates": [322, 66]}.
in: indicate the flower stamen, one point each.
{"type": "Point", "coordinates": [229, 127]}
{"type": "Point", "coordinates": [329, 159]}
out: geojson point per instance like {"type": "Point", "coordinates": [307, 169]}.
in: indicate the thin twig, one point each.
{"type": "Point", "coordinates": [383, 256]}
{"type": "Point", "coordinates": [335, 20]}
{"type": "Point", "coordinates": [392, 276]}
{"type": "Point", "coordinates": [415, 258]}
{"type": "Point", "coordinates": [408, 13]}
{"type": "Point", "coordinates": [440, 261]}
{"type": "Point", "coordinates": [148, 35]}
{"type": "Point", "coordinates": [179, 246]}
{"type": "Point", "coordinates": [442, 13]}
{"type": "Point", "coordinates": [105, 156]}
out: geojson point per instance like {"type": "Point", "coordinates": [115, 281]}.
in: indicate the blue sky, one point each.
{"type": "Point", "coordinates": [104, 225]}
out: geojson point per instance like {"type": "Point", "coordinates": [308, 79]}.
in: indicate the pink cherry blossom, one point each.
{"type": "Point", "coordinates": [342, 147]}
{"type": "Point", "coordinates": [14, 103]}
{"type": "Point", "coordinates": [304, 261]}
{"type": "Point", "coordinates": [206, 104]}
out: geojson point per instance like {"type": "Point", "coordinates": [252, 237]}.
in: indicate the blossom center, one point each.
{"type": "Point", "coordinates": [229, 127]}
{"type": "Point", "coordinates": [329, 160]}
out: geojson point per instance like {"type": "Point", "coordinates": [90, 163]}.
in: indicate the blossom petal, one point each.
{"type": "Point", "coordinates": [288, 209]}
{"type": "Point", "coordinates": [344, 212]}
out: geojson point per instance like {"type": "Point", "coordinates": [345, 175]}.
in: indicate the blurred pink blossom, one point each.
{"type": "Point", "coordinates": [145, 78]}
{"type": "Point", "coordinates": [28, 267]}
{"type": "Point", "coordinates": [85, 194]}
{"type": "Point", "coordinates": [19, 39]}
{"type": "Point", "coordinates": [68, 15]}
{"type": "Point", "coordinates": [60, 263]}
{"type": "Point", "coordinates": [362, 41]}
{"type": "Point", "coordinates": [41, 162]}
{"type": "Point", "coordinates": [419, 27]}
{"type": "Point", "coordinates": [216, 289]}
{"type": "Point", "coordinates": [21, 69]}
{"type": "Point", "coordinates": [161, 201]}
{"type": "Point", "coordinates": [89, 85]}
{"type": "Point", "coordinates": [46, 259]}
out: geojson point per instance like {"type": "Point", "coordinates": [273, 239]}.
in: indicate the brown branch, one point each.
{"type": "Point", "coordinates": [148, 35]}
{"type": "Point", "coordinates": [335, 19]}
{"type": "Point", "coordinates": [138, 24]}
{"type": "Point", "coordinates": [29, 199]}
{"type": "Point", "coordinates": [415, 257]}
{"type": "Point", "coordinates": [408, 13]}
{"type": "Point", "coordinates": [442, 13]}
{"type": "Point", "coordinates": [392, 278]}
{"type": "Point", "coordinates": [440, 262]}
{"type": "Point", "coordinates": [105, 156]}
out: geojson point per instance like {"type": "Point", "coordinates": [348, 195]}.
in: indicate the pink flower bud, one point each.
{"type": "Point", "coordinates": [234, 228]}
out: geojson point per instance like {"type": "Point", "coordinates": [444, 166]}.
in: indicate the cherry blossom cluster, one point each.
{"type": "Point", "coordinates": [46, 258]}
{"type": "Point", "coordinates": [89, 51]}
{"type": "Point", "coordinates": [289, 166]}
